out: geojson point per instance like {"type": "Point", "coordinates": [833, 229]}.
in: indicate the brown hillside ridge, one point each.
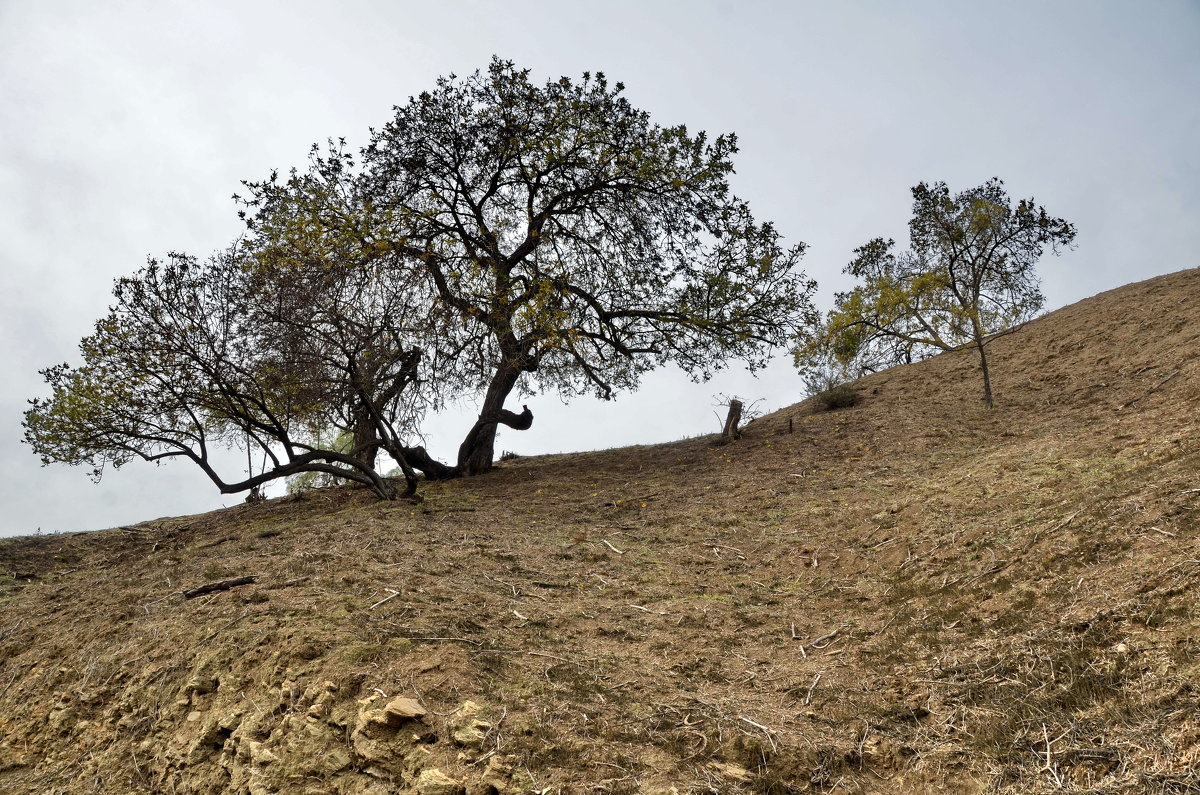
{"type": "Point", "coordinates": [912, 595]}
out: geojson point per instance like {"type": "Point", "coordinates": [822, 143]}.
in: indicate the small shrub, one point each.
{"type": "Point", "coordinates": [828, 380]}
{"type": "Point", "coordinates": [842, 396]}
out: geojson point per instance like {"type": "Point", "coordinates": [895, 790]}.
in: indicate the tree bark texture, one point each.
{"type": "Point", "coordinates": [732, 420]}
{"type": "Point", "coordinates": [987, 378]}
{"type": "Point", "coordinates": [477, 450]}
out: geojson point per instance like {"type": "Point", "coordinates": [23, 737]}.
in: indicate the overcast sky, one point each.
{"type": "Point", "coordinates": [125, 127]}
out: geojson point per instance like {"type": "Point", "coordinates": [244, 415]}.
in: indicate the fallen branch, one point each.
{"type": "Point", "coordinates": [1149, 391]}
{"type": "Point", "coordinates": [610, 546]}
{"type": "Point", "coordinates": [394, 594]}
{"type": "Point", "coordinates": [770, 734]}
{"type": "Point", "coordinates": [811, 688]}
{"type": "Point", "coordinates": [816, 644]}
{"type": "Point", "coordinates": [648, 610]}
{"type": "Point", "coordinates": [223, 585]}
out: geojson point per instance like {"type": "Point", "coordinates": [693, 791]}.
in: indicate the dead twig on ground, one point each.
{"type": "Point", "coordinates": [808, 696]}
{"type": "Point", "coordinates": [606, 543]}
{"type": "Point", "coordinates": [385, 599]}
{"type": "Point", "coordinates": [817, 643]}
{"type": "Point", "coordinates": [551, 656]}
{"type": "Point", "coordinates": [511, 587]}
{"type": "Point", "coordinates": [229, 624]}
{"type": "Point", "coordinates": [1055, 528]}
{"type": "Point", "coordinates": [770, 734]}
{"type": "Point", "coordinates": [222, 585]}
{"type": "Point", "coordinates": [1149, 391]}
{"type": "Point", "coordinates": [10, 630]}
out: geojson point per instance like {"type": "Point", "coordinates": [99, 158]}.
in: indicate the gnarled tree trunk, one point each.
{"type": "Point", "coordinates": [478, 448]}
{"type": "Point", "coordinates": [366, 441]}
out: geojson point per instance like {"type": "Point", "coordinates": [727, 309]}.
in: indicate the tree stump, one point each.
{"type": "Point", "coordinates": [732, 420]}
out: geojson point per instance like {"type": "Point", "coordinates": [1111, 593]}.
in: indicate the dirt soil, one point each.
{"type": "Point", "coordinates": [912, 595]}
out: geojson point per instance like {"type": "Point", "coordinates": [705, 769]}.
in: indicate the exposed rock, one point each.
{"type": "Point", "coordinates": [258, 752]}
{"type": "Point", "coordinates": [883, 752]}
{"type": "Point", "coordinates": [209, 740]}
{"type": "Point", "coordinates": [434, 782]}
{"type": "Point", "coordinates": [200, 684]}
{"type": "Point", "coordinates": [398, 710]}
{"type": "Point", "coordinates": [389, 735]}
{"type": "Point", "coordinates": [497, 777]}
{"type": "Point", "coordinates": [467, 729]}
{"type": "Point", "coordinates": [472, 735]}
{"type": "Point", "coordinates": [394, 714]}
{"type": "Point", "coordinates": [232, 720]}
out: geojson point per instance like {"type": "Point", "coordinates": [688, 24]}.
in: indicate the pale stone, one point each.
{"type": "Point", "coordinates": [434, 782]}
{"type": "Point", "coordinates": [473, 734]}
{"type": "Point", "coordinates": [401, 709]}
{"type": "Point", "coordinates": [259, 754]}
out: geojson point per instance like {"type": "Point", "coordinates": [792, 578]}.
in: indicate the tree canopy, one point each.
{"type": "Point", "coordinates": [566, 242]}
{"type": "Point", "coordinates": [968, 277]}
{"type": "Point", "coordinates": [195, 357]}
{"type": "Point", "coordinates": [497, 235]}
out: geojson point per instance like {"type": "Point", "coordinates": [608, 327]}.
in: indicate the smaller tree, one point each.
{"type": "Point", "coordinates": [198, 356]}
{"type": "Point", "coordinates": [967, 278]}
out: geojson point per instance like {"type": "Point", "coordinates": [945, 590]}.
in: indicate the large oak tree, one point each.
{"type": "Point", "coordinates": [496, 235]}
{"type": "Point", "coordinates": [569, 243]}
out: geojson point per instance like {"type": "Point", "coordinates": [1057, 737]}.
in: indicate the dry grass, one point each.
{"type": "Point", "coordinates": [914, 594]}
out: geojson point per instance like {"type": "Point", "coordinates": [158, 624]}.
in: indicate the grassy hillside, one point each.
{"type": "Point", "coordinates": [915, 594]}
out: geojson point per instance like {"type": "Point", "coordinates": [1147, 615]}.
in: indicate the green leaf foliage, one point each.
{"type": "Point", "coordinates": [967, 277]}
{"type": "Point", "coordinates": [496, 234]}
{"type": "Point", "coordinates": [566, 242]}
{"type": "Point", "coordinates": [195, 357]}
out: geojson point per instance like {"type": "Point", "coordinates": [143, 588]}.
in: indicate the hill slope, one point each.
{"type": "Point", "coordinates": [911, 595]}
